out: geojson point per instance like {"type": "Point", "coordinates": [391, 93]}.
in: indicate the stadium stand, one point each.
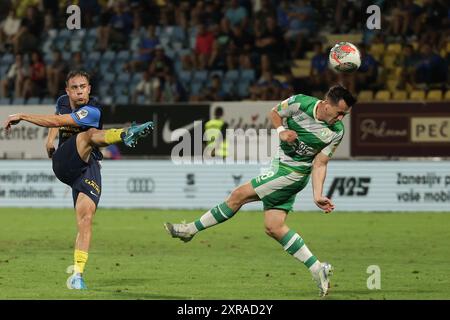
{"type": "Point", "coordinates": [121, 39]}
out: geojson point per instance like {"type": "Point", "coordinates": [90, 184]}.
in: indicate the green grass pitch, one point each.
{"type": "Point", "coordinates": [132, 256]}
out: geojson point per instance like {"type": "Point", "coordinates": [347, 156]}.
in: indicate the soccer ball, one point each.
{"type": "Point", "coordinates": [344, 57]}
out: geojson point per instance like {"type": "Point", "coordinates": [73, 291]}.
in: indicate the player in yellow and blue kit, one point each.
{"type": "Point", "coordinates": [78, 120]}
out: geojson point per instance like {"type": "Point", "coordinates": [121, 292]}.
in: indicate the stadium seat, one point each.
{"type": "Point", "coordinates": [76, 45]}
{"type": "Point", "coordinates": [196, 87]}
{"type": "Point", "coordinates": [103, 89]}
{"type": "Point", "coordinates": [447, 95]}
{"type": "Point", "coordinates": [18, 101]}
{"type": "Point", "coordinates": [123, 78]}
{"type": "Point", "coordinates": [7, 59]}
{"type": "Point", "coordinates": [94, 56]}
{"type": "Point", "coordinates": [309, 55]}
{"type": "Point", "coordinates": [200, 75]}
{"type": "Point", "coordinates": [122, 99]}
{"type": "Point", "coordinates": [365, 95]}
{"type": "Point", "coordinates": [400, 95]}
{"type": "Point", "coordinates": [392, 84]}
{"type": "Point", "coordinates": [232, 75]}
{"type": "Point", "coordinates": [120, 89]}
{"type": "Point", "coordinates": [108, 77]}
{"type": "Point", "coordinates": [185, 77]}
{"type": "Point", "coordinates": [300, 72]}
{"type": "Point", "coordinates": [303, 63]}
{"type": "Point", "coordinates": [242, 89]}
{"type": "Point", "coordinates": [136, 78]}
{"type": "Point", "coordinates": [64, 34]}
{"type": "Point", "coordinates": [417, 95]}
{"type": "Point", "coordinates": [89, 44]}
{"type": "Point", "coordinates": [3, 70]}
{"type": "Point", "coordinates": [228, 86]}
{"type": "Point", "coordinates": [123, 55]}
{"type": "Point", "coordinates": [434, 95]}
{"type": "Point", "coordinates": [215, 72]}
{"type": "Point", "coordinates": [377, 50]}
{"type": "Point", "coordinates": [105, 67]}
{"type": "Point", "coordinates": [388, 61]}
{"type": "Point", "coordinates": [5, 101]}
{"type": "Point", "coordinates": [66, 56]}
{"type": "Point", "coordinates": [140, 99]}
{"type": "Point", "coordinates": [178, 34]}
{"type": "Point", "coordinates": [395, 48]}
{"type": "Point", "coordinates": [383, 95]}
{"type": "Point", "coordinates": [91, 33]}
{"type": "Point", "coordinates": [48, 101]}
{"type": "Point", "coordinates": [108, 56]}
{"type": "Point", "coordinates": [33, 100]}
{"type": "Point", "coordinates": [247, 75]}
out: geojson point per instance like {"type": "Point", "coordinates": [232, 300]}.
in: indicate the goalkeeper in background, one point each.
{"type": "Point", "coordinates": [312, 133]}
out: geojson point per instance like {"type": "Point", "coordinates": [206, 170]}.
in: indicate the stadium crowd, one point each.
{"type": "Point", "coordinates": [144, 51]}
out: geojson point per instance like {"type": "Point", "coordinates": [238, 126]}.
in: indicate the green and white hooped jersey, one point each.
{"type": "Point", "coordinates": [314, 136]}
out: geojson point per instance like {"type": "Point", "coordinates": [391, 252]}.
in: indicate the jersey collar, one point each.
{"type": "Point", "coordinates": [315, 112]}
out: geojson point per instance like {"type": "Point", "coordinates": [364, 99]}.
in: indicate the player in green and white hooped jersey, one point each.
{"type": "Point", "coordinates": [311, 133]}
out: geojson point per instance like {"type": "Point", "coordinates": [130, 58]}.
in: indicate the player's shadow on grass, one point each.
{"type": "Point", "coordinates": [123, 289]}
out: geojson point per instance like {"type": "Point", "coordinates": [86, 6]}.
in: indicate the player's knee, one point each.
{"type": "Point", "coordinates": [273, 230]}
{"type": "Point", "coordinates": [236, 198]}
{"type": "Point", "coordinates": [85, 221]}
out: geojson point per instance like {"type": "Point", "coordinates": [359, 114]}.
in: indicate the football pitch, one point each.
{"type": "Point", "coordinates": [132, 256]}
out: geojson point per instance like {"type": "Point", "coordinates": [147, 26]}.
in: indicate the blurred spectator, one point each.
{"type": "Point", "coordinates": [214, 92]}
{"type": "Point", "coordinates": [407, 60]}
{"type": "Point", "coordinates": [320, 76]}
{"type": "Point", "coordinates": [8, 28]}
{"type": "Point", "coordinates": [217, 59]}
{"type": "Point", "coordinates": [203, 45]}
{"type": "Point", "coordinates": [90, 9]}
{"type": "Point", "coordinates": [346, 15]}
{"type": "Point", "coordinates": [115, 33]}
{"type": "Point", "coordinates": [403, 17]}
{"type": "Point", "coordinates": [431, 68]}
{"type": "Point", "coordinates": [366, 77]}
{"type": "Point", "coordinates": [36, 83]}
{"type": "Point", "coordinates": [213, 13]}
{"type": "Point", "coordinates": [172, 90]}
{"type": "Point", "coordinates": [149, 87]}
{"type": "Point", "coordinates": [241, 39]}
{"type": "Point", "coordinates": [266, 88]}
{"type": "Point", "coordinates": [56, 71]}
{"type": "Point", "coordinates": [27, 38]}
{"type": "Point", "coordinates": [161, 64]}
{"type": "Point", "coordinates": [236, 14]}
{"type": "Point", "coordinates": [147, 48]}
{"type": "Point", "coordinates": [76, 62]}
{"type": "Point", "coordinates": [282, 14]}
{"type": "Point", "coordinates": [15, 78]}
{"type": "Point", "coordinates": [271, 40]}
{"type": "Point", "coordinates": [301, 25]}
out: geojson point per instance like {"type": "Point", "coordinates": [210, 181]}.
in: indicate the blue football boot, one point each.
{"type": "Point", "coordinates": [135, 132]}
{"type": "Point", "coordinates": [76, 282]}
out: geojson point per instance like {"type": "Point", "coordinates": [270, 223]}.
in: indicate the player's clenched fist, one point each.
{"type": "Point", "coordinates": [288, 136]}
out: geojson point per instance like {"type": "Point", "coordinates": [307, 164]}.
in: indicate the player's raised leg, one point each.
{"type": "Point", "coordinates": [85, 210]}
{"type": "Point", "coordinates": [102, 138]}
{"type": "Point", "coordinates": [220, 213]}
{"type": "Point", "coordinates": [292, 242]}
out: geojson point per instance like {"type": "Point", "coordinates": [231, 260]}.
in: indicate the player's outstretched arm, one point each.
{"type": "Point", "coordinates": [318, 178]}
{"type": "Point", "coordinates": [49, 121]}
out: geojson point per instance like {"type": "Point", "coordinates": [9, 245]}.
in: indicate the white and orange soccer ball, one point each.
{"type": "Point", "coordinates": [344, 57]}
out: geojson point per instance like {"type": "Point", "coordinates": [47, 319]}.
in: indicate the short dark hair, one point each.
{"type": "Point", "coordinates": [76, 73]}
{"type": "Point", "coordinates": [338, 92]}
{"type": "Point", "coordinates": [218, 112]}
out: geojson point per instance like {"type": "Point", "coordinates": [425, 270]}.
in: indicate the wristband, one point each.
{"type": "Point", "coordinates": [280, 129]}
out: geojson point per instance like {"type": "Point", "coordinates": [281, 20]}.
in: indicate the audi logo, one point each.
{"type": "Point", "coordinates": [140, 185]}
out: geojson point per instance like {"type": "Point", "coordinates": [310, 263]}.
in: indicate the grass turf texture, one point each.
{"type": "Point", "coordinates": [132, 256]}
